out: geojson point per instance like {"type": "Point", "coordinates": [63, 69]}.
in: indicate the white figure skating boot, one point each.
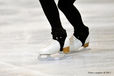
{"type": "Point", "coordinates": [75, 43]}
{"type": "Point", "coordinates": [54, 49]}
{"type": "Point", "coordinates": [79, 39]}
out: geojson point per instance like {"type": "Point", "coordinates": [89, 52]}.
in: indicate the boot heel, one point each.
{"type": "Point", "coordinates": [87, 42]}
{"type": "Point", "coordinates": [66, 50]}
{"type": "Point", "coordinates": [86, 45]}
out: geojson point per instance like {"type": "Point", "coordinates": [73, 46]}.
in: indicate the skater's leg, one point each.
{"type": "Point", "coordinates": [71, 12]}
{"type": "Point", "coordinates": [80, 30]}
{"type": "Point", "coordinates": [52, 14]}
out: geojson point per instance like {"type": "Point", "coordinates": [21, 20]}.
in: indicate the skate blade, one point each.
{"type": "Point", "coordinates": [48, 57]}
{"type": "Point", "coordinates": [44, 57]}
{"type": "Point", "coordinates": [86, 45]}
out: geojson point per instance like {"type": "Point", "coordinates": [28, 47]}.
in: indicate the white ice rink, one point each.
{"type": "Point", "coordinates": [24, 30]}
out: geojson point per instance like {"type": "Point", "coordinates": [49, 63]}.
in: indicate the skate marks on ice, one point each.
{"type": "Point", "coordinates": [62, 56]}
{"type": "Point", "coordinates": [54, 57]}
{"type": "Point", "coordinates": [7, 69]}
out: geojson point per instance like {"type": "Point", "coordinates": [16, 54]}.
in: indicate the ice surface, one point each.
{"type": "Point", "coordinates": [24, 30]}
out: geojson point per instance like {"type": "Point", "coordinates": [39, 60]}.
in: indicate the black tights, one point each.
{"type": "Point", "coordinates": [71, 13]}
{"type": "Point", "coordinates": [67, 7]}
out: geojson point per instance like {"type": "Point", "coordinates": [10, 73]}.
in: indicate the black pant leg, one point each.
{"type": "Point", "coordinates": [73, 15]}
{"type": "Point", "coordinates": [51, 11]}
{"type": "Point", "coordinates": [71, 12]}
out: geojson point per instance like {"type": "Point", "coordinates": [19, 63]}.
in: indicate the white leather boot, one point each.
{"type": "Point", "coordinates": [54, 48]}
{"type": "Point", "coordinates": [75, 43]}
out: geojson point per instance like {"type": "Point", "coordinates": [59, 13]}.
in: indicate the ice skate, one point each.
{"type": "Point", "coordinates": [75, 43]}
{"type": "Point", "coordinates": [53, 50]}
{"type": "Point", "coordinates": [80, 39]}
